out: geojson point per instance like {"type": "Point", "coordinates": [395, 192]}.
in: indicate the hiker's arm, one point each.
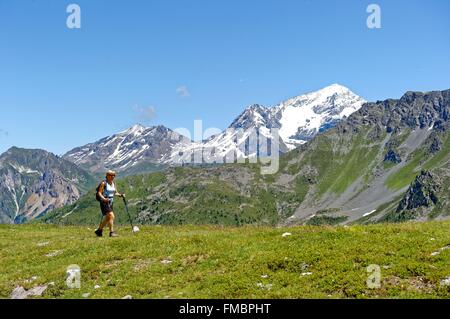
{"type": "Point", "coordinates": [100, 193]}
{"type": "Point", "coordinates": [118, 193]}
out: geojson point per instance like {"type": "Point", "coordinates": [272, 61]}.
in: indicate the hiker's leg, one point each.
{"type": "Point", "coordinates": [111, 217]}
{"type": "Point", "coordinates": [103, 223]}
{"type": "Point", "coordinates": [106, 210]}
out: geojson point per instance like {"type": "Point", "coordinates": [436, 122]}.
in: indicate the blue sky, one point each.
{"type": "Point", "coordinates": [62, 88]}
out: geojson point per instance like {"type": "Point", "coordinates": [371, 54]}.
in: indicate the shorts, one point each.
{"type": "Point", "coordinates": [106, 208]}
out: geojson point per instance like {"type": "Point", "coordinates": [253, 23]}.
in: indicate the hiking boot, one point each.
{"type": "Point", "coordinates": [99, 232]}
{"type": "Point", "coordinates": [113, 234]}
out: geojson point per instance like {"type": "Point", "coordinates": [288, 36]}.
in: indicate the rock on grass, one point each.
{"type": "Point", "coordinates": [22, 293]}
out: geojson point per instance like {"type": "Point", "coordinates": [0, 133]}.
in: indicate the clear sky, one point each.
{"type": "Point", "coordinates": [170, 62]}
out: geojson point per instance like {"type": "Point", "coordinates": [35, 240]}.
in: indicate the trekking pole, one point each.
{"type": "Point", "coordinates": [134, 229]}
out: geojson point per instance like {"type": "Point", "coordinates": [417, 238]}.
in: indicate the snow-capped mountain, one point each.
{"type": "Point", "coordinates": [302, 117]}
{"type": "Point", "coordinates": [239, 140]}
{"type": "Point", "coordinates": [297, 120]}
{"type": "Point", "coordinates": [134, 146]}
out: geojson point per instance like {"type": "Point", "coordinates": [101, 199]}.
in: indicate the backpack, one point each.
{"type": "Point", "coordinates": [97, 197]}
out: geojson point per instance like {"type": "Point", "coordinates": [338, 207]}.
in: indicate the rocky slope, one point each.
{"type": "Point", "coordinates": [376, 154]}
{"type": "Point", "coordinates": [34, 182]}
{"type": "Point", "coordinates": [421, 196]}
{"type": "Point", "coordinates": [366, 169]}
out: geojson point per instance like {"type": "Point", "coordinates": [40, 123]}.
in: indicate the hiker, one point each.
{"type": "Point", "coordinates": [105, 195]}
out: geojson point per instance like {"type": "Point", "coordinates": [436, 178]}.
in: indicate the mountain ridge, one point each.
{"type": "Point", "coordinates": [312, 112]}
{"type": "Point", "coordinates": [135, 145]}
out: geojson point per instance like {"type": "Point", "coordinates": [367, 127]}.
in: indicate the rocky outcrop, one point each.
{"type": "Point", "coordinates": [393, 157]}
{"type": "Point", "coordinates": [435, 145]}
{"type": "Point", "coordinates": [423, 192]}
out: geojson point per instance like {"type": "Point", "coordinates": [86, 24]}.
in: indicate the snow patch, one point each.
{"type": "Point", "coordinates": [24, 170]}
{"type": "Point", "coordinates": [369, 213]}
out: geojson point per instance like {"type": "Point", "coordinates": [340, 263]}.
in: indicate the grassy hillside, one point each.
{"type": "Point", "coordinates": [222, 262]}
{"type": "Point", "coordinates": [226, 195]}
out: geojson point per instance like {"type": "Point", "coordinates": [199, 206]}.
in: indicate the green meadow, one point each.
{"type": "Point", "coordinates": [229, 262]}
